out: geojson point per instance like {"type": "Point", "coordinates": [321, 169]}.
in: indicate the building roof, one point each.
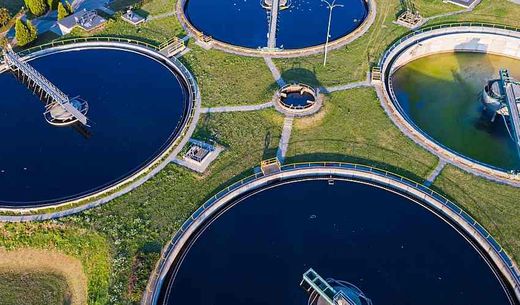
{"type": "Point", "coordinates": [87, 20]}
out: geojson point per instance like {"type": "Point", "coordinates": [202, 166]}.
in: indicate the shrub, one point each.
{"type": "Point", "coordinates": [37, 7]}
{"type": "Point", "coordinates": [4, 16]}
{"type": "Point", "coordinates": [64, 10]}
{"type": "Point", "coordinates": [25, 32]}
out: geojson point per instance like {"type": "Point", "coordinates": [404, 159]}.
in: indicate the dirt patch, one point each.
{"type": "Point", "coordinates": [29, 260]}
{"type": "Point", "coordinates": [313, 120]}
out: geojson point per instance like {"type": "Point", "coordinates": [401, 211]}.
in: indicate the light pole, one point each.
{"type": "Point", "coordinates": [330, 6]}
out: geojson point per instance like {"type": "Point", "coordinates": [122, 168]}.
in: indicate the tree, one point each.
{"type": "Point", "coordinates": [25, 32]}
{"type": "Point", "coordinates": [64, 10]}
{"type": "Point", "coordinates": [37, 7]}
{"type": "Point", "coordinates": [53, 4]}
{"type": "Point", "coordinates": [4, 16]}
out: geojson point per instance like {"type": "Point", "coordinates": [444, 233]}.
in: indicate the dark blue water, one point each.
{"type": "Point", "coordinates": [394, 250]}
{"type": "Point", "coordinates": [245, 22]}
{"type": "Point", "coordinates": [135, 103]}
{"type": "Point", "coordinates": [298, 100]}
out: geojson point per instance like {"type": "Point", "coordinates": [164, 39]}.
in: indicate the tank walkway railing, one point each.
{"type": "Point", "coordinates": [15, 63]}
{"type": "Point", "coordinates": [273, 24]}
{"type": "Point", "coordinates": [193, 93]}
{"type": "Point", "coordinates": [426, 29]}
{"type": "Point", "coordinates": [155, 282]}
{"type": "Point", "coordinates": [508, 92]}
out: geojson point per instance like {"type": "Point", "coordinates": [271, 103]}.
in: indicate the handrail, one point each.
{"type": "Point", "coordinates": [152, 291]}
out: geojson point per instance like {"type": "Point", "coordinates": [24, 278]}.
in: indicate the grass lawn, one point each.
{"type": "Point", "coordinates": [354, 128]}
{"type": "Point", "coordinates": [349, 63]}
{"type": "Point", "coordinates": [88, 247]}
{"type": "Point", "coordinates": [139, 223]}
{"type": "Point", "coordinates": [491, 11]}
{"type": "Point", "coordinates": [154, 32]}
{"type": "Point", "coordinates": [12, 5]}
{"type": "Point", "coordinates": [226, 79]}
{"type": "Point", "coordinates": [33, 288]}
{"type": "Point", "coordinates": [495, 206]}
{"type": "Point", "coordinates": [428, 8]}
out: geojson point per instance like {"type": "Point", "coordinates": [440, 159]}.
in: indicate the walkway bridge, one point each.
{"type": "Point", "coordinates": [313, 283]}
{"type": "Point", "coordinates": [273, 25]}
{"type": "Point", "coordinates": [58, 104]}
{"type": "Point", "coordinates": [509, 89]}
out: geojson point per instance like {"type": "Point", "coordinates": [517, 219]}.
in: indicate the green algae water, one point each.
{"type": "Point", "coordinates": [441, 95]}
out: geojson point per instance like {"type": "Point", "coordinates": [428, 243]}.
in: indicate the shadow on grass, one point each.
{"type": "Point", "coordinates": [297, 74]}
{"type": "Point", "coordinates": [335, 157]}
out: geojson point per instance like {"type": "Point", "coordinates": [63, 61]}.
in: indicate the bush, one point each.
{"type": "Point", "coordinates": [37, 7]}
{"type": "Point", "coordinates": [4, 17]}
{"type": "Point", "coordinates": [25, 32]}
{"type": "Point", "coordinates": [64, 10]}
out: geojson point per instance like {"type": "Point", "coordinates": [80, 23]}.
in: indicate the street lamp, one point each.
{"type": "Point", "coordinates": [330, 6]}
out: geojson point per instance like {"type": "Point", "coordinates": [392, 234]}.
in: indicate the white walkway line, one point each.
{"type": "Point", "coordinates": [237, 108]}
{"type": "Point", "coordinates": [436, 172]}
{"type": "Point", "coordinates": [274, 70]}
{"type": "Point", "coordinates": [284, 139]}
{"type": "Point", "coordinates": [365, 83]}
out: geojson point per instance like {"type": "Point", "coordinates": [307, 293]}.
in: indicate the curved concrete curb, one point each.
{"type": "Point", "coordinates": [436, 203]}
{"type": "Point", "coordinates": [118, 188]}
{"type": "Point", "coordinates": [445, 38]}
{"type": "Point", "coordinates": [226, 47]}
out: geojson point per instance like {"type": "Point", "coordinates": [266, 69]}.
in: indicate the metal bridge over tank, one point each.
{"type": "Point", "coordinates": [58, 104]}
{"type": "Point", "coordinates": [509, 91]}
{"type": "Point", "coordinates": [273, 24]}
{"type": "Point", "coordinates": [312, 282]}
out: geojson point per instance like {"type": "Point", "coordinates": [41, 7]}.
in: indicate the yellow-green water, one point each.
{"type": "Point", "coordinates": [441, 94]}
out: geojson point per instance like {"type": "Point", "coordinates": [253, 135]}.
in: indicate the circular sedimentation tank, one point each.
{"type": "Point", "coordinates": [255, 248]}
{"type": "Point", "coordinates": [138, 103]}
{"type": "Point", "coordinates": [434, 85]}
{"type": "Point", "coordinates": [245, 24]}
{"type": "Point", "coordinates": [442, 94]}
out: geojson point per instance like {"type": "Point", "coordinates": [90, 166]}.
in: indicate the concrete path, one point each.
{"type": "Point", "coordinates": [435, 173]}
{"type": "Point", "coordinates": [365, 83]}
{"type": "Point", "coordinates": [237, 108]}
{"type": "Point", "coordinates": [274, 70]}
{"type": "Point", "coordinates": [161, 16]}
{"type": "Point", "coordinates": [284, 139]}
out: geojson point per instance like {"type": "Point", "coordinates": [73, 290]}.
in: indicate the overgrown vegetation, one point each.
{"type": "Point", "coordinates": [33, 288]}
{"type": "Point", "coordinates": [86, 245]}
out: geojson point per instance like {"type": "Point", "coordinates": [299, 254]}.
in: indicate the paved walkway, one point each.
{"type": "Point", "coordinates": [274, 70]}
{"type": "Point", "coordinates": [365, 83]}
{"type": "Point", "coordinates": [435, 173]}
{"type": "Point", "coordinates": [237, 108]}
{"type": "Point", "coordinates": [161, 16]}
{"type": "Point", "coordinates": [284, 139]}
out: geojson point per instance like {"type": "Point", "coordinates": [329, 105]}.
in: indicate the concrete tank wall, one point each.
{"type": "Point", "coordinates": [460, 42]}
